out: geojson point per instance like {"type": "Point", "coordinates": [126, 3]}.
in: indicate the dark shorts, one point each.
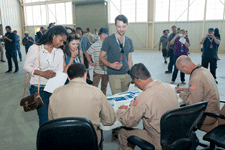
{"type": "Point", "coordinates": [164, 53]}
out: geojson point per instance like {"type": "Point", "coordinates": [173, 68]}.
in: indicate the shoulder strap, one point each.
{"type": "Point", "coordinates": [27, 76]}
{"type": "Point", "coordinates": [39, 63]}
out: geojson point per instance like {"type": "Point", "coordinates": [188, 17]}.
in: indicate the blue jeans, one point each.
{"type": "Point", "coordinates": [12, 55]}
{"type": "Point", "coordinates": [175, 71]}
{"type": "Point", "coordinates": [19, 52]}
{"type": "Point", "coordinates": [43, 111]}
{"type": "Point", "coordinates": [171, 63]}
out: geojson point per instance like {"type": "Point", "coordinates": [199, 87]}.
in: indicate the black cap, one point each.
{"type": "Point", "coordinates": [79, 28]}
{"type": "Point", "coordinates": [211, 30]}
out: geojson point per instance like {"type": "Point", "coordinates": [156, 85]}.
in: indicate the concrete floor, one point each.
{"type": "Point", "coordinates": [18, 129]}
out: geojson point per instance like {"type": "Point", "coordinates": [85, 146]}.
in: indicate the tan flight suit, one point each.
{"type": "Point", "coordinates": [78, 99]}
{"type": "Point", "coordinates": [156, 99]}
{"type": "Point", "coordinates": [202, 87]}
{"type": "Point", "coordinates": [91, 38]}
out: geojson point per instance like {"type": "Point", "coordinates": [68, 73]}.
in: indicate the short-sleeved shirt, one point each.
{"type": "Point", "coordinates": [172, 46]}
{"type": "Point", "coordinates": [164, 41]}
{"type": "Point", "coordinates": [178, 45]}
{"type": "Point", "coordinates": [95, 50]}
{"type": "Point", "coordinates": [10, 46]}
{"type": "Point", "coordinates": [112, 48]}
{"type": "Point", "coordinates": [210, 51]}
{"type": "Point", "coordinates": [28, 44]}
{"type": "Point", "coordinates": [84, 44]}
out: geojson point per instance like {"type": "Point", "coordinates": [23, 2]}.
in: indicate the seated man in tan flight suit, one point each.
{"type": "Point", "coordinates": [156, 99]}
{"type": "Point", "coordinates": [78, 99]}
{"type": "Point", "coordinates": [201, 87]}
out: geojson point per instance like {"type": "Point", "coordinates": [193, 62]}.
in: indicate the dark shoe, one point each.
{"type": "Point", "coordinates": [167, 72]}
{"type": "Point", "coordinates": [9, 71]}
{"type": "Point", "coordinates": [216, 82]}
{"type": "Point", "coordinates": [172, 82]}
{"type": "Point", "coordinates": [2, 60]}
{"type": "Point", "coordinates": [183, 82]}
{"type": "Point", "coordinates": [16, 71]}
{"type": "Point", "coordinates": [20, 59]}
{"type": "Point", "coordinates": [165, 62]}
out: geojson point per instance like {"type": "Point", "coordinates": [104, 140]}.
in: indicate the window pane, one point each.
{"type": "Point", "coordinates": [177, 7]}
{"type": "Point", "coordinates": [27, 1]}
{"type": "Point", "coordinates": [29, 15]}
{"type": "Point", "coordinates": [69, 16]}
{"type": "Point", "coordinates": [51, 8]}
{"type": "Point", "coordinates": [162, 10]}
{"type": "Point", "coordinates": [214, 9]}
{"type": "Point", "coordinates": [60, 13]}
{"type": "Point", "coordinates": [128, 9]}
{"type": "Point", "coordinates": [114, 10]}
{"type": "Point", "coordinates": [142, 11]}
{"type": "Point", "coordinates": [37, 15]}
{"type": "Point", "coordinates": [43, 15]}
{"type": "Point", "coordinates": [196, 10]}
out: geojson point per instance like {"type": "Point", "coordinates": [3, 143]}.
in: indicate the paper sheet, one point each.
{"type": "Point", "coordinates": [57, 81]}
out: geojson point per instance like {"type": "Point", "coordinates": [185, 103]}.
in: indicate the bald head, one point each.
{"type": "Point", "coordinates": [184, 64]}
{"type": "Point", "coordinates": [183, 60]}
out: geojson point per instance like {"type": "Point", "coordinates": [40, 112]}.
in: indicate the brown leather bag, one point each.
{"type": "Point", "coordinates": [33, 101]}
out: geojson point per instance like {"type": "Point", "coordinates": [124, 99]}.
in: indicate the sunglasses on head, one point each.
{"type": "Point", "coordinates": [132, 76]}
{"type": "Point", "coordinates": [121, 46]}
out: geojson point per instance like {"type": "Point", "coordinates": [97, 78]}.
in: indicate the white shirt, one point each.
{"type": "Point", "coordinates": [48, 61]}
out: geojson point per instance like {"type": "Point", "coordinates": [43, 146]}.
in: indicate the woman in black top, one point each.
{"type": "Point", "coordinates": [217, 35]}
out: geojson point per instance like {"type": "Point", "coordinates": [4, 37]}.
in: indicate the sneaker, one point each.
{"type": "Point", "coordinates": [167, 72]}
{"type": "Point", "coordinates": [2, 60]}
{"type": "Point", "coordinates": [183, 82]}
{"type": "Point", "coordinates": [9, 71]}
{"type": "Point", "coordinates": [16, 71]}
{"type": "Point", "coordinates": [172, 82]}
{"type": "Point", "coordinates": [21, 60]}
{"type": "Point", "coordinates": [216, 82]}
{"type": "Point", "coordinates": [165, 62]}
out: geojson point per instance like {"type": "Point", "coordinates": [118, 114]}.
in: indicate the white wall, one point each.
{"type": "Point", "coordinates": [11, 15]}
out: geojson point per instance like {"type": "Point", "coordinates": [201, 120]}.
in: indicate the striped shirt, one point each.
{"type": "Point", "coordinates": [95, 50]}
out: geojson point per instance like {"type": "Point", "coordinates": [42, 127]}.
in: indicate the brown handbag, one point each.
{"type": "Point", "coordinates": [33, 101]}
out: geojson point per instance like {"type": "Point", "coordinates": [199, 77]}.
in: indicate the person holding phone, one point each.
{"type": "Point", "coordinates": [209, 54]}
{"type": "Point", "coordinates": [181, 43]}
{"type": "Point", "coordinates": [27, 41]}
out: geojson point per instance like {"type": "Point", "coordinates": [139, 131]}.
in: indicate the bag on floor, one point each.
{"type": "Point", "coordinates": [33, 101]}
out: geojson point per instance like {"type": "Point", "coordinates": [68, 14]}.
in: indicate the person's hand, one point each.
{"type": "Point", "coordinates": [49, 74]}
{"type": "Point", "coordinates": [178, 89]}
{"type": "Point", "coordinates": [206, 35]}
{"type": "Point", "coordinates": [123, 107]}
{"type": "Point", "coordinates": [74, 53]}
{"type": "Point", "coordinates": [94, 64]}
{"type": "Point", "coordinates": [178, 35]}
{"type": "Point", "coordinates": [182, 94]}
{"type": "Point", "coordinates": [212, 36]}
{"type": "Point", "coordinates": [167, 48]}
{"type": "Point", "coordinates": [116, 65]}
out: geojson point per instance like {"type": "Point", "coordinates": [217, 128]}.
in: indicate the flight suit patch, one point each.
{"type": "Point", "coordinates": [192, 86]}
{"type": "Point", "coordinates": [136, 102]}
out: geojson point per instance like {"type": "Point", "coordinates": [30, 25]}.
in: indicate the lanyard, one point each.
{"type": "Point", "coordinates": [194, 70]}
{"type": "Point", "coordinates": [118, 41]}
{"type": "Point", "coordinates": [210, 40]}
{"type": "Point", "coordinates": [47, 58]}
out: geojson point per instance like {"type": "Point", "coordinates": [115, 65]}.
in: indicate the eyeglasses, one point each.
{"type": "Point", "coordinates": [121, 47]}
{"type": "Point", "coordinates": [132, 77]}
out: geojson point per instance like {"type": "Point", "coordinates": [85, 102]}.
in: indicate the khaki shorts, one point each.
{"type": "Point", "coordinates": [119, 83]}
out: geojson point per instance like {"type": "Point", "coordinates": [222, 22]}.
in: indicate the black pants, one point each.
{"type": "Point", "coordinates": [171, 63]}
{"type": "Point", "coordinates": [175, 71]}
{"type": "Point", "coordinates": [213, 64]}
{"type": "Point", "coordinates": [86, 64]}
{"type": "Point", "coordinates": [12, 55]}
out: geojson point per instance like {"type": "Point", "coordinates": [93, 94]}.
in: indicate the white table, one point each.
{"type": "Point", "coordinates": [117, 104]}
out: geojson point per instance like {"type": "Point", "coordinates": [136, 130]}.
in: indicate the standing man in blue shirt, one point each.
{"type": "Point", "coordinates": [209, 53]}
{"type": "Point", "coordinates": [10, 47]}
{"type": "Point", "coordinates": [18, 45]}
{"type": "Point", "coordinates": [27, 41]}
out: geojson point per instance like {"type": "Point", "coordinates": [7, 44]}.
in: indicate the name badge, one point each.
{"type": "Point", "coordinates": [211, 46]}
